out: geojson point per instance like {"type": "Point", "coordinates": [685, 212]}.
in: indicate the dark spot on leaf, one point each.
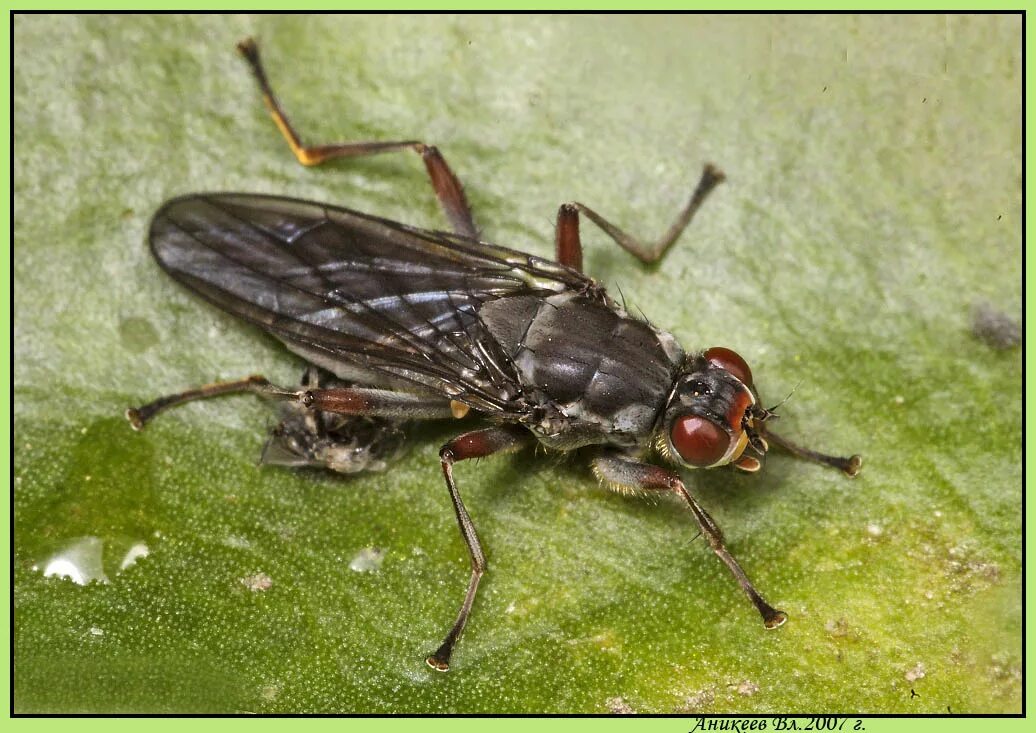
{"type": "Point", "coordinates": [995, 328]}
{"type": "Point", "coordinates": [137, 334]}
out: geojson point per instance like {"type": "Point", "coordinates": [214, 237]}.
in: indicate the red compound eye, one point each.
{"type": "Point", "coordinates": [699, 442]}
{"type": "Point", "coordinates": [724, 358]}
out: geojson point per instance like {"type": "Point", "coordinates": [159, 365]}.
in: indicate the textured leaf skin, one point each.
{"type": "Point", "coordinates": [873, 200]}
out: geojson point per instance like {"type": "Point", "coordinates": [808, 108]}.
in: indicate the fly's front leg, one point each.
{"type": "Point", "coordinates": [623, 473]}
{"type": "Point", "coordinates": [476, 444]}
{"type": "Point", "coordinates": [850, 465]}
{"type": "Point", "coordinates": [448, 188]}
{"type": "Point", "coordinates": [570, 252]}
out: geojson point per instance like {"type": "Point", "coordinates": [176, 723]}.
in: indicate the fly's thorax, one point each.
{"type": "Point", "coordinates": [600, 375]}
{"type": "Point", "coordinates": [712, 415]}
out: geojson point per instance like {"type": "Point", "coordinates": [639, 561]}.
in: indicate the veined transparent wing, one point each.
{"type": "Point", "coordinates": [356, 291]}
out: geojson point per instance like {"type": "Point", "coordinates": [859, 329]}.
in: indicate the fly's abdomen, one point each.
{"type": "Point", "coordinates": [596, 364]}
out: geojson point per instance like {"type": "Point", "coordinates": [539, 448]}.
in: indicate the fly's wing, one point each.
{"type": "Point", "coordinates": [357, 292]}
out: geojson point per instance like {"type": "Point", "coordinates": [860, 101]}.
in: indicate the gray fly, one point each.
{"type": "Point", "coordinates": [425, 325]}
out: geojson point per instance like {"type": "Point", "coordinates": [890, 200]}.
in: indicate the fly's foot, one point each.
{"type": "Point", "coordinates": [437, 663]}
{"type": "Point", "coordinates": [135, 421]}
{"type": "Point", "coordinates": [775, 619]}
{"type": "Point", "coordinates": [852, 465]}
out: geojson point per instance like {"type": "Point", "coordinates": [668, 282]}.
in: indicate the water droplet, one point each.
{"type": "Point", "coordinates": [257, 582]}
{"type": "Point", "coordinates": [238, 543]}
{"type": "Point", "coordinates": [747, 688]}
{"type": "Point", "coordinates": [367, 560]}
{"type": "Point", "coordinates": [133, 554]}
{"type": "Point", "coordinates": [619, 706]}
{"type": "Point", "coordinates": [915, 674]}
{"type": "Point", "coordinates": [80, 561]}
{"type": "Point", "coordinates": [87, 559]}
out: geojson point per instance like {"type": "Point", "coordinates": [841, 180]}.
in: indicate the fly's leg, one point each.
{"type": "Point", "coordinates": [476, 444]}
{"type": "Point", "coordinates": [569, 250]}
{"type": "Point", "coordinates": [448, 188]}
{"type": "Point", "coordinates": [256, 384]}
{"type": "Point", "coordinates": [850, 465]}
{"type": "Point", "coordinates": [622, 473]}
{"type": "Point", "coordinates": [378, 403]}
{"type": "Point", "coordinates": [345, 444]}
{"type": "Point", "coordinates": [567, 247]}
{"type": "Point", "coordinates": [347, 401]}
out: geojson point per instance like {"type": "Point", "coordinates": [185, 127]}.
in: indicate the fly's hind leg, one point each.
{"type": "Point", "coordinates": [326, 424]}
{"type": "Point", "coordinates": [569, 250]}
{"type": "Point", "coordinates": [621, 473]}
{"type": "Point", "coordinates": [448, 188]}
{"type": "Point", "coordinates": [347, 444]}
{"type": "Point", "coordinates": [255, 384]}
{"type": "Point", "coordinates": [367, 401]}
{"type": "Point", "coordinates": [476, 444]}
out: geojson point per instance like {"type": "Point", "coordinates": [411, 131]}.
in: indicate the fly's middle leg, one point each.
{"type": "Point", "coordinates": [623, 473]}
{"type": "Point", "coordinates": [476, 444]}
{"type": "Point", "coordinates": [569, 251]}
{"type": "Point", "coordinates": [448, 188]}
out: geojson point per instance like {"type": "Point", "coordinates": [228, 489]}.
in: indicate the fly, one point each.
{"type": "Point", "coordinates": [423, 325]}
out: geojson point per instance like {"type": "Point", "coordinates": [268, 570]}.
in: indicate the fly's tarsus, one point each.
{"type": "Point", "coordinates": [476, 444]}
{"type": "Point", "coordinates": [447, 186]}
{"type": "Point", "coordinates": [620, 471]}
{"type": "Point", "coordinates": [651, 254]}
{"type": "Point", "coordinates": [849, 465]}
{"type": "Point", "coordinates": [141, 416]}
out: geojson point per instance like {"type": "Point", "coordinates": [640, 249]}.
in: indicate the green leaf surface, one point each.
{"type": "Point", "coordinates": [873, 202]}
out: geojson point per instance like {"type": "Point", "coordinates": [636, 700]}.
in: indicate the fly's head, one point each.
{"type": "Point", "coordinates": [713, 417]}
